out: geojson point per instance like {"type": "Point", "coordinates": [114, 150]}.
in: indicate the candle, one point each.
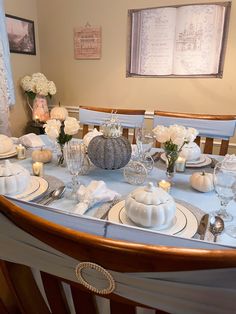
{"type": "Point", "coordinates": [20, 149]}
{"type": "Point", "coordinates": [37, 169]}
{"type": "Point", "coordinates": [180, 164]}
{"type": "Point", "coordinates": [165, 185]}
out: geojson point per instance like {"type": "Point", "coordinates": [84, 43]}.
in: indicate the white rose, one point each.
{"type": "Point", "coordinates": [191, 134]}
{"type": "Point", "coordinates": [71, 126]}
{"type": "Point", "coordinates": [177, 134]}
{"type": "Point", "coordinates": [52, 128]}
{"type": "Point", "coordinates": [161, 133]}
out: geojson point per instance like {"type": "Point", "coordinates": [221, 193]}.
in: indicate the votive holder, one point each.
{"type": "Point", "coordinates": [37, 168]}
{"type": "Point", "coordinates": [180, 164]}
{"type": "Point", "coordinates": [165, 185]}
{"type": "Point", "coordinates": [20, 149]}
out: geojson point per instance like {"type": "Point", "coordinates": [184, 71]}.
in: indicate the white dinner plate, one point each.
{"type": "Point", "coordinates": [42, 188]}
{"type": "Point", "coordinates": [176, 226]}
{"type": "Point", "coordinates": [33, 186]}
{"type": "Point", "coordinates": [187, 225]}
{"type": "Point", "coordinates": [201, 162]}
{"type": "Point", "coordinates": [11, 153]}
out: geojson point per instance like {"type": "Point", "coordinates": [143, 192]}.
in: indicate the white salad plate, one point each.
{"type": "Point", "coordinates": [201, 162]}
{"type": "Point", "coordinates": [11, 153]}
{"type": "Point", "coordinates": [185, 223]}
{"type": "Point", "coordinates": [36, 187]}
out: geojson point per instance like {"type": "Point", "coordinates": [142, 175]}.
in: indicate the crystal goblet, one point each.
{"type": "Point", "coordinates": [224, 179]}
{"type": "Point", "coordinates": [144, 140]}
{"type": "Point", "coordinates": [74, 154]}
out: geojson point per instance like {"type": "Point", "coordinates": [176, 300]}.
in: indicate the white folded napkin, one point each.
{"type": "Point", "coordinates": [95, 192]}
{"type": "Point", "coordinates": [31, 140]}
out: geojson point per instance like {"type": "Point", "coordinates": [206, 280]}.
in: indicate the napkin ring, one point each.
{"type": "Point", "coordinates": [106, 274]}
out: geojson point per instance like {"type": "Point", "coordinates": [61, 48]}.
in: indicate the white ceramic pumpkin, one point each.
{"type": "Point", "coordinates": [14, 178]}
{"type": "Point", "coordinates": [59, 113]}
{"type": "Point", "coordinates": [42, 155]}
{"type": "Point", "coordinates": [150, 207]}
{"type": "Point", "coordinates": [190, 151]}
{"type": "Point", "coordinates": [90, 135]}
{"type": "Point", "coordinates": [6, 144]}
{"type": "Point", "coordinates": [202, 181]}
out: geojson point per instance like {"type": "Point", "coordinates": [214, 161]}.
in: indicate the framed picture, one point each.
{"type": "Point", "coordinates": [21, 35]}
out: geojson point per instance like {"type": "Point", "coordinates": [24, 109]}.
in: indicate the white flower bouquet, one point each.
{"type": "Point", "coordinates": [37, 84]}
{"type": "Point", "coordinates": [173, 139]}
{"type": "Point", "coordinates": [61, 132]}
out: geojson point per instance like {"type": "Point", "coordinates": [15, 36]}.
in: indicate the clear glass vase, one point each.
{"type": "Point", "coordinates": [61, 161]}
{"type": "Point", "coordinates": [171, 157]}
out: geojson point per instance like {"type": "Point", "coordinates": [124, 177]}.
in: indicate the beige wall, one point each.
{"type": "Point", "coordinates": [103, 82]}
{"type": "Point", "coordinates": [22, 64]}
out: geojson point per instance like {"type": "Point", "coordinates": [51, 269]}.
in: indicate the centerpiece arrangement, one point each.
{"type": "Point", "coordinates": [37, 88]}
{"type": "Point", "coordinates": [61, 130]}
{"type": "Point", "coordinates": [173, 139]}
{"type": "Point", "coordinates": [110, 150]}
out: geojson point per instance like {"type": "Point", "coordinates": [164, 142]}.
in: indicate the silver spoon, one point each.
{"type": "Point", "coordinates": [55, 195]}
{"type": "Point", "coordinates": [216, 226]}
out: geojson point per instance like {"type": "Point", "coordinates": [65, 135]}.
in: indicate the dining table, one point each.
{"type": "Point", "coordinates": [62, 211]}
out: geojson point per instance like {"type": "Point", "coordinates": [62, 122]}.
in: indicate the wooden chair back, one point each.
{"type": "Point", "coordinates": [129, 118]}
{"type": "Point", "coordinates": [114, 255]}
{"type": "Point", "coordinates": [210, 127]}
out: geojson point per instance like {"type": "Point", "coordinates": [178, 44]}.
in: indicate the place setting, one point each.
{"type": "Point", "coordinates": [155, 210]}
{"type": "Point", "coordinates": [17, 182]}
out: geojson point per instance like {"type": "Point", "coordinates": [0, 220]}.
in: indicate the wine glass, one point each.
{"type": "Point", "coordinates": [224, 179]}
{"type": "Point", "coordinates": [74, 154]}
{"type": "Point", "coordinates": [144, 140]}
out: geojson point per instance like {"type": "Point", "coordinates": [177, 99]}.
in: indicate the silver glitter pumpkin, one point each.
{"type": "Point", "coordinates": [110, 150]}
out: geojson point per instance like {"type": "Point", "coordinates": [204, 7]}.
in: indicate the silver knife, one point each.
{"type": "Point", "coordinates": [202, 227]}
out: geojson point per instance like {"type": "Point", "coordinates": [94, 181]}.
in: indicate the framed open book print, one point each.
{"type": "Point", "coordinates": [178, 41]}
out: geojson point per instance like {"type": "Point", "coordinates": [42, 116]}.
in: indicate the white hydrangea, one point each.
{"type": "Point", "coordinates": [52, 128]}
{"type": "Point", "coordinates": [26, 83]}
{"type": "Point", "coordinates": [71, 126]}
{"type": "Point", "coordinates": [41, 88]}
{"type": "Point", "coordinates": [51, 88]}
{"type": "Point", "coordinates": [38, 84]}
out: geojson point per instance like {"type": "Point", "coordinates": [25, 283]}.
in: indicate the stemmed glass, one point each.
{"type": "Point", "coordinates": [224, 178]}
{"type": "Point", "coordinates": [74, 154]}
{"type": "Point", "coordinates": [144, 140]}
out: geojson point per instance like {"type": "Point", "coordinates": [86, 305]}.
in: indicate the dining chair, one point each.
{"type": "Point", "coordinates": [210, 127]}
{"type": "Point", "coordinates": [128, 274]}
{"type": "Point", "coordinates": [96, 116]}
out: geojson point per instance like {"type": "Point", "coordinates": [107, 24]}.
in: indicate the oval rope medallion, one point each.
{"type": "Point", "coordinates": [106, 274]}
